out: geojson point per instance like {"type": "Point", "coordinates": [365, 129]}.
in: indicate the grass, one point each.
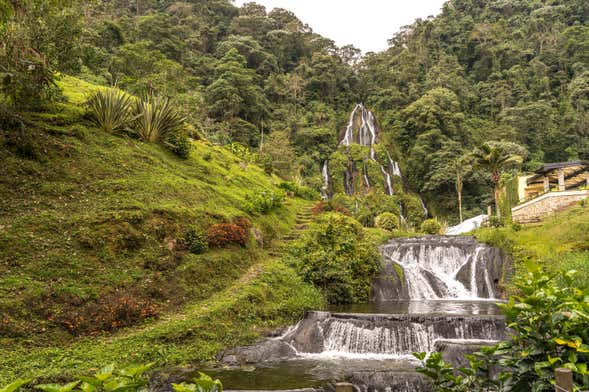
{"type": "Point", "coordinates": [269, 296]}
{"type": "Point", "coordinates": [559, 243]}
{"type": "Point", "coordinates": [86, 215]}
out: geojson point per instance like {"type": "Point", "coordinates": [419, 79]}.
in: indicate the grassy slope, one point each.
{"type": "Point", "coordinates": [84, 214]}
{"type": "Point", "coordinates": [559, 243]}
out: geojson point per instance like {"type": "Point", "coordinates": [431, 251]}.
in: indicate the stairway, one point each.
{"type": "Point", "coordinates": [303, 219]}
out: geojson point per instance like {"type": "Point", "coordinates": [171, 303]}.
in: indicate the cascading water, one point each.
{"type": "Point", "coordinates": [374, 349]}
{"type": "Point", "coordinates": [437, 267]}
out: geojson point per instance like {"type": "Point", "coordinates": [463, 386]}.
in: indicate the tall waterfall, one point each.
{"type": "Point", "coordinates": [438, 267]}
{"type": "Point", "coordinates": [362, 129]}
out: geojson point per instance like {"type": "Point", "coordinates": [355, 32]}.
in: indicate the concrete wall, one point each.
{"type": "Point", "coordinates": [534, 210]}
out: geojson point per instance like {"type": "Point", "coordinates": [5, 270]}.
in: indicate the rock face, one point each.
{"type": "Point", "coordinates": [439, 267]}
{"type": "Point", "coordinates": [454, 351]}
{"type": "Point", "coordinates": [267, 350]}
{"type": "Point", "coordinates": [346, 334]}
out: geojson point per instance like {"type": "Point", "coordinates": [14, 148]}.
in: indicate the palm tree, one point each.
{"type": "Point", "coordinates": [494, 159]}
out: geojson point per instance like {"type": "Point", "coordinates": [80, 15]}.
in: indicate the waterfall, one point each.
{"type": "Point", "coordinates": [328, 335]}
{"type": "Point", "coordinates": [325, 174]}
{"type": "Point", "coordinates": [349, 135]}
{"type": "Point", "coordinates": [388, 182]}
{"type": "Point", "coordinates": [438, 267]}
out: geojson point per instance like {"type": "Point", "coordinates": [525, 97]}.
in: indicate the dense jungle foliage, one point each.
{"type": "Point", "coordinates": [514, 71]}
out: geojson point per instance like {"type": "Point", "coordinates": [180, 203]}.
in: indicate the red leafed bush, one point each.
{"type": "Point", "coordinates": [323, 206]}
{"type": "Point", "coordinates": [110, 312]}
{"type": "Point", "coordinates": [244, 222]}
{"type": "Point", "coordinates": [223, 234]}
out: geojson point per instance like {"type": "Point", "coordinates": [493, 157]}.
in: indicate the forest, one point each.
{"type": "Point", "coordinates": [506, 71]}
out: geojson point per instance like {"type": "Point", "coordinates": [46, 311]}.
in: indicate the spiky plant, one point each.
{"type": "Point", "coordinates": [155, 119]}
{"type": "Point", "coordinates": [111, 109]}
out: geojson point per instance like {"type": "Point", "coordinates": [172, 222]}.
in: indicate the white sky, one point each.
{"type": "Point", "coordinates": [367, 24]}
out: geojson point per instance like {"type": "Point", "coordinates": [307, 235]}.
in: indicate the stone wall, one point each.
{"type": "Point", "coordinates": [536, 209]}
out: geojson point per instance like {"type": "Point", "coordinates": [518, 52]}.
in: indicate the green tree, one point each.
{"type": "Point", "coordinates": [494, 159]}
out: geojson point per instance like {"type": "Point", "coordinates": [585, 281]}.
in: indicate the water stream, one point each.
{"type": "Point", "coordinates": [434, 293]}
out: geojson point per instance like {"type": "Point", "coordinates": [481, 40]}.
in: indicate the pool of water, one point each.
{"type": "Point", "coordinates": [306, 373]}
{"type": "Point", "coordinates": [441, 307]}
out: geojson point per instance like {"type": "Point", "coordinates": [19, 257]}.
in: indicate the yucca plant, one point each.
{"type": "Point", "coordinates": [111, 109]}
{"type": "Point", "coordinates": [155, 119]}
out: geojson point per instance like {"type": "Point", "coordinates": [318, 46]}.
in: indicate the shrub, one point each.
{"type": "Point", "coordinates": [431, 226]}
{"type": "Point", "coordinates": [243, 222]}
{"type": "Point", "coordinates": [304, 192]}
{"type": "Point", "coordinates": [179, 144]}
{"type": "Point", "coordinates": [223, 234]}
{"type": "Point", "coordinates": [263, 202]}
{"type": "Point", "coordinates": [495, 221]}
{"type": "Point", "coordinates": [387, 221]}
{"type": "Point", "coordinates": [110, 312]}
{"type": "Point", "coordinates": [195, 240]}
{"type": "Point", "coordinates": [155, 119]}
{"type": "Point", "coordinates": [335, 255]}
{"type": "Point", "coordinates": [111, 109]}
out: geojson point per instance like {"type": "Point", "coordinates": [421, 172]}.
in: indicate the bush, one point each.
{"type": "Point", "coordinates": [195, 240]}
{"type": "Point", "coordinates": [110, 312]}
{"type": "Point", "coordinates": [111, 109]}
{"type": "Point", "coordinates": [179, 144]}
{"type": "Point", "coordinates": [304, 192]}
{"type": "Point", "coordinates": [155, 119]}
{"type": "Point", "coordinates": [387, 221]}
{"type": "Point", "coordinates": [223, 234]}
{"type": "Point", "coordinates": [431, 226]}
{"type": "Point", "coordinates": [131, 379]}
{"type": "Point", "coordinates": [549, 327]}
{"type": "Point", "coordinates": [335, 255]}
{"type": "Point", "coordinates": [495, 221]}
{"type": "Point", "coordinates": [263, 202]}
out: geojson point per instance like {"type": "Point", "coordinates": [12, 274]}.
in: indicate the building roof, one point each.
{"type": "Point", "coordinates": [548, 167]}
{"type": "Point", "coordinates": [573, 171]}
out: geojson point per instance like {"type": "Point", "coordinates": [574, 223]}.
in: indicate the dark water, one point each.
{"type": "Point", "coordinates": [431, 307]}
{"type": "Point", "coordinates": [306, 373]}
{"type": "Point", "coordinates": [311, 371]}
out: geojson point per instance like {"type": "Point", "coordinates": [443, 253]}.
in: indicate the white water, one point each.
{"type": "Point", "coordinates": [325, 174]}
{"type": "Point", "coordinates": [468, 225]}
{"type": "Point", "coordinates": [388, 181]}
{"type": "Point", "coordinates": [431, 271]}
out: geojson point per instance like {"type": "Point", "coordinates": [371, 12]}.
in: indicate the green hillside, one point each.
{"type": "Point", "coordinates": [93, 238]}
{"type": "Point", "coordinates": [559, 243]}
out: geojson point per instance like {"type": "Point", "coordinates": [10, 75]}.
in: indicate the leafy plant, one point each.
{"type": "Point", "coordinates": [111, 109]}
{"type": "Point", "coordinates": [431, 226]}
{"type": "Point", "coordinates": [335, 255]}
{"type": "Point", "coordinates": [263, 202]}
{"type": "Point", "coordinates": [203, 383]}
{"type": "Point", "coordinates": [195, 240]}
{"type": "Point", "coordinates": [155, 119]}
{"type": "Point", "coordinates": [15, 386]}
{"type": "Point", "coordinates": [223, 234]}
{"type": "Point", "coordinates": [387, 221]}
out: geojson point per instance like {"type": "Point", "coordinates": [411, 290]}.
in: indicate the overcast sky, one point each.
{"type": "Point", "coordinates": [367, 24]}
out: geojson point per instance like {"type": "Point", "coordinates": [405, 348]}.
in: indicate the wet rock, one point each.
{"type": "Point", "coordinates": [267, 350]}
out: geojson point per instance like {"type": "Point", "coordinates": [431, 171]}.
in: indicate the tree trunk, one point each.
{"type": "Point", "coordinates": [497, 195]}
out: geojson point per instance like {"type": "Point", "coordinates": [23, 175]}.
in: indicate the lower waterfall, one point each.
{"type": "Point", "coordinates": [435, 293]}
